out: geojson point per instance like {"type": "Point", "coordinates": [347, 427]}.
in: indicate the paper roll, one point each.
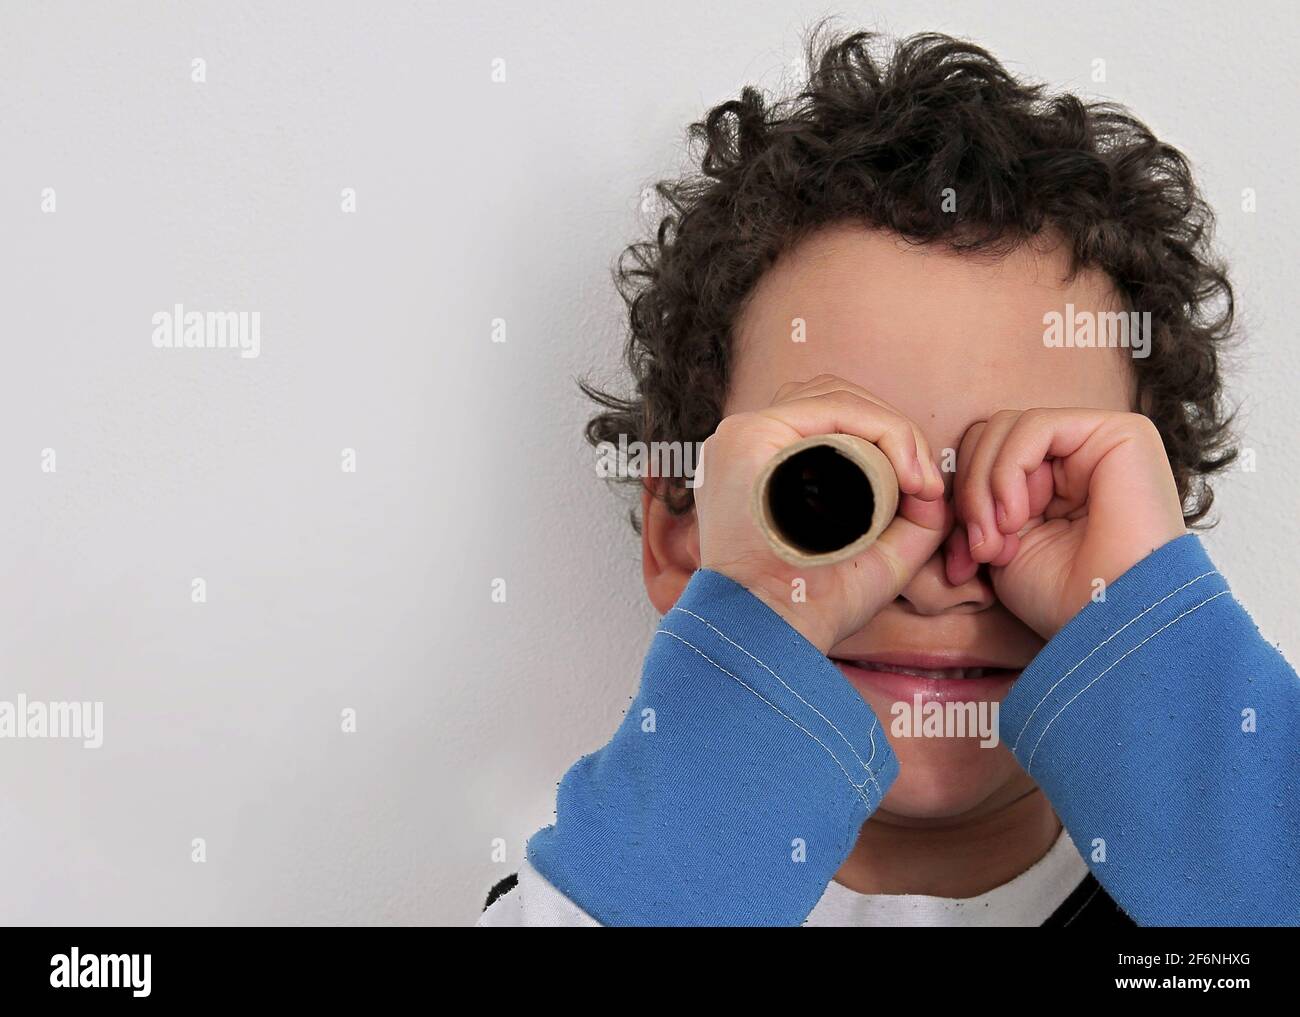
{"type": "Point", "coordinates": [825, 499]}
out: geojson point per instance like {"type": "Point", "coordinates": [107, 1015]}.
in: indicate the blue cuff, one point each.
{"type": "Point", "coordinates": [1162, 728]}
{"type": "Point", "coordinates": [736, 784]}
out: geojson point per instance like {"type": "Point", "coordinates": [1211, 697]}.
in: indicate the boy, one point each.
{"type": "Point", "coordinates": [928, 253]}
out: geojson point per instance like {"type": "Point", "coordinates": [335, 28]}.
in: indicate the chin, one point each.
{"type": "Point", "coordinates": [942, 778]}
{"type": "Point", "coordinates": [945, 777]}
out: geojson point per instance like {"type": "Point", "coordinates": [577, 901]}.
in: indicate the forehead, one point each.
{"type": "Point", "coordinates": [947, 338]}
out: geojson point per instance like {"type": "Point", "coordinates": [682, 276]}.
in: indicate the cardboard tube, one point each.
{"type": "Point", "coordinates": [825, 499]}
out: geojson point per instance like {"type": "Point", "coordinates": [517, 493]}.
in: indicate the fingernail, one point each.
{"type": "Point", "coordinates": [974, 535]}
{"type": "Point", "coordinates": [1002, 514]}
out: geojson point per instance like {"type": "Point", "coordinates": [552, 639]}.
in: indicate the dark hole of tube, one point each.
{"type": "Point", "coordinates": [820, 500]}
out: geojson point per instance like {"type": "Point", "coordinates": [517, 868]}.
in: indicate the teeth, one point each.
{"type": "Point", "coordinates": [946, 673]}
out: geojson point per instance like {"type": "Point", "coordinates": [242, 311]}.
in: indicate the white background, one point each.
{"type": "Point", "coordinates": [371, 590]}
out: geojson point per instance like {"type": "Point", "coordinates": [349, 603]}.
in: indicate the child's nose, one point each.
{"type": "Point", "coordinates": [931, 593]}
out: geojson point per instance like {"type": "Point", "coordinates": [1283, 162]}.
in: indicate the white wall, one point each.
{"type": "Point", "coordinates": [370, 590]}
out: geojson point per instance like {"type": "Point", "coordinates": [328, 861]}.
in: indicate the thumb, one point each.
{"type": "Point", "coordinates": [917, 532]}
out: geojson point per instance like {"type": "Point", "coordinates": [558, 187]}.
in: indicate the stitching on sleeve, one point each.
{"type": "Point", "coordinates": [1030, 765]}
{"type": "Point", "coordinates": [1096, 890]}
{"type": "Point", "coordinates": [1025, 727]}
{"type": "Point", "coordinates": [874, 719]}
{"type": "Point", "coordinates": [857, 788]}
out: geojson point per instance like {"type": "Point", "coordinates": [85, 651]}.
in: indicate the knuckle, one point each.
{"type": "Point", "coordinates": [1004, 476]}
{"type": "Point", "coordinates": [897, 570]}
{"type": "Point", "coordinates": [967, 501]}
{"type": "Point", "coordinates": [901, 429]}
{"type": "Point", "coordinates": [970, 437]}
{"type": "Point", "coordinates": [728, 428]}
{"type": "Point", "coordinates": [1146, 427]}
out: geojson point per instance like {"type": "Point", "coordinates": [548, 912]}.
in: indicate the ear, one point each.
{"type": "Point", "coordinates": [670, 549]}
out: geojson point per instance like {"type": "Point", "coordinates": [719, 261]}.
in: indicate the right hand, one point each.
{"type": "Point", "coordinates": [842, 598]}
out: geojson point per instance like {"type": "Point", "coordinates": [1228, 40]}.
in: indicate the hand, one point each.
{"type": "Point", "coordinates": [1055, 500]}
{"type": "Point", "coordinates": [841, 598]}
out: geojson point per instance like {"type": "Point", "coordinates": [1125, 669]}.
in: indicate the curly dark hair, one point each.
{"type": "Point", "coordinates": [874, 137]}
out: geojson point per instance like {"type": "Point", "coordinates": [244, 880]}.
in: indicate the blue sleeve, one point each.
{"type": "Point", "coordinates": [736, 784]}
{"type": "Point", "coordinates": [1165, 731]}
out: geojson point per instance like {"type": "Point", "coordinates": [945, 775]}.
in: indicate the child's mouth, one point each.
{"type": "Point", "coordinates": [959, 680]}
{"type": "Point", "coordinates": [947, 673]}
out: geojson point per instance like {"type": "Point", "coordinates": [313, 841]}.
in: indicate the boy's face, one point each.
{"type": "Point", "coordinates": [949, 340]}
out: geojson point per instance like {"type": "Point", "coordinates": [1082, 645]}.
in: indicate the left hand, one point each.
{"type": "Point", "coordinates": [1054, 500]}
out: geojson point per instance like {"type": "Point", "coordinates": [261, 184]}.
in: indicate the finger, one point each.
{"type": "Point", "coordinates": [958, 564]}
{"type": "Point", "coordinates": [825, 384]}
{"type": "Point", "coordinates": [935, 514]}
{"type": "Point", "coordinates": [974, 501]}
{"type": "Point", "coordinates": [1053, 444]}
{"type": "Point", "coordinates": [909, 542]}
{"type": "Point", "coordinates": [844, 412]}
{"type": "Point", "coordinates": [965, 449]}
{"type": "Point", "coordinates": [831, 382]}
{"type": "Point", "coordinates": [792, 388]}
{"type": "Point", "coordinates": [1010, 545]}
{"type": "Point", "coordinates": [1032, 524]}
{"type": "Point", "coordinates": [1041, 488]}
{"type": "Point", "coordinates": [1008, 486]}
{"type": "Point", "coordinates": [934, 487]}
